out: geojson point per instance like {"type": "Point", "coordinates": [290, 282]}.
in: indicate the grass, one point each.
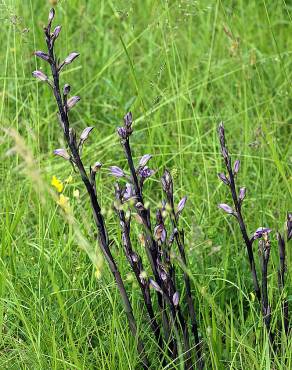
{"type": "Point", "coordinates": [174, 66]}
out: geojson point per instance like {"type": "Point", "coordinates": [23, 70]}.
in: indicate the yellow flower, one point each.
{"type": "Point", "coordinates": [63, 202]}
{"type": "Point", "coordinates": [57, 184]}
{"type": "Point", "coordinates": [252, 296]}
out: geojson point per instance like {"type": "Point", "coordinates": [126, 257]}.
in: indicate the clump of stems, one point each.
{"type": "Point", "coordinates": [169, 324]}
{"type": "Point", "coordinates": [262, 234]}
{"type": "Point", "coordinates": [65, 104]}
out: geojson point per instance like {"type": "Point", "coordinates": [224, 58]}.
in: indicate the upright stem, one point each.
{"type": "Point", "coordinates": [281, 280]}
{"type": "Point", "coordinates": [264, 250]}
{"type": "Point", "coordinates": [192, 313]}
{"type": "Point", "coordinates": [98, 218]}
{"type": "Point", "coordinates": [152, 250]}
{"type": "Point", "coordinates": [137, 268]}
{"type": "Point", "coordinates": [243, 230]}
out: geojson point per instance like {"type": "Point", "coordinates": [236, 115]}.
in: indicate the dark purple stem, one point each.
{"type": "Point", "coordinates": [98, 218]}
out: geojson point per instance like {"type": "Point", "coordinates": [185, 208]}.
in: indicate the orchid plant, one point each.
{"type": "Point", "coordinates": [261, 234]}
{"type": "Point", "coordinates": [170, 324]}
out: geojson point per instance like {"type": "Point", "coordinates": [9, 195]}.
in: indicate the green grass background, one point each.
{"type": "Point", "coordinates": [185, 66]}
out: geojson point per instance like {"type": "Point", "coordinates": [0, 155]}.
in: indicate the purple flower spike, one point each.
{"type": "Point", "coordinates": [116, 171]}
{"type": "Point", "coordinates": [42, 55]}
{"type": "Point", "coordinates": [128, 120]}
{"type": "Point", "coordinates": [226, 208]}
{"type": "Point", "coordinates": [236, 166]}
{"type": "Point", "coordinates": [144, 160]}
{"type": "Point", "coordinates": [289, 226]}
{"type": "Point", "coordinates": [259, 232]}
{"type": "Point", "coordinates": [145, 172]}
{"type": "Point", "coordinates": [223, 178]}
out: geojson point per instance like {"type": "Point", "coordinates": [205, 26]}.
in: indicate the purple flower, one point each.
{"type": "Point", "coordinates": [68, 60]}
{"type": "Point", "coordinates": [223, 178]}
{"type": "Point", "coordinates": [175, 299]}
{"type": "Point", "coordinates": [85, 133]}
{"type": "Point", "coordinates": [167, 183]}
{"type": "Point", "coordinates": [181, 205]}
{"type": "Point", "coordinates": [72, 102]}
{"type": "Point", "coordinates": [40, 75]}
{"type": "Point", "coordinates": [226, 208]}
{"type": "Point", "coordinates": [122, 132]}
{"type": "Point", "coordinates": [242, 192]}
{"type": "Point", "coordinates": [116, 171]}
{"type": "Point", "coordinates": [51, 15]}
{"type": "Point", "coordinates": [71, 57]}
{"type": "Point", "coordinates": [145, 172]}
{"type": "Point", "coordinates": [128, 192]}
{"type": "Point", "coordinates": [144, 160]}
{"type": "Point", "coordinates": [62, 153]}
{"type": "Point", "coordinates": [259, 232]}
{"type": "Point", "coordinates": [160, 233]}
{"type": "Point", "coordinates": [289, 226]}
{"type": "Point", "coordinates": [42, 55]}
{"type": "Point", "coordinates": [236, 166]}
{"type": "Point", "coordinates": [56, 32]}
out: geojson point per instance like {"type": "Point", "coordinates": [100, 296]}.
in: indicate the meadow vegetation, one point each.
{"type": "Point", "coordinates": [181, 67]}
